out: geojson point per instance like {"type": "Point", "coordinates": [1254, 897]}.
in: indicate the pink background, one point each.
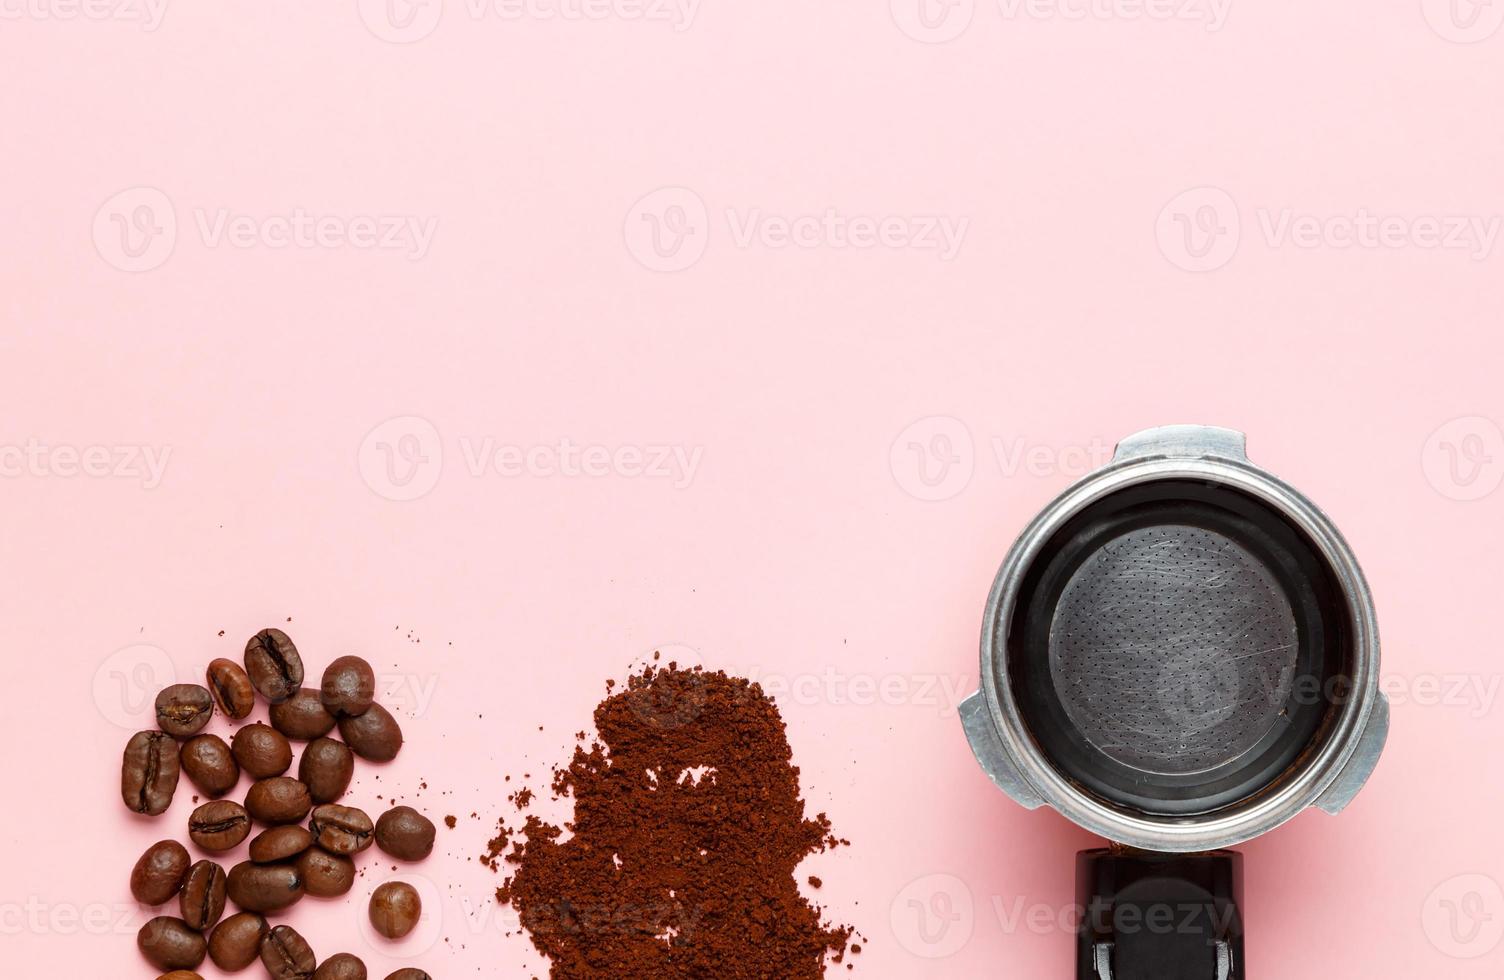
{"type": "Point", "coordinates": [1122, 181]}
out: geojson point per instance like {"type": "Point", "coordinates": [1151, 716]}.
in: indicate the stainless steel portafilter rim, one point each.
{"type": "Point", "coordinates": [1328, 778]}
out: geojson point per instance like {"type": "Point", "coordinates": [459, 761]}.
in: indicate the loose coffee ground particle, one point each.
{"type": "Point", "coordinates": [687, 831]}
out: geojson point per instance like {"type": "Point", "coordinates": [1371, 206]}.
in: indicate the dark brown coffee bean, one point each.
{"type": "Point", "coordinates": [405, 834]}
{"type": "Point", "coordinates": [341, 966]}
{"type": "Point", "coordinates": [159, 873]}
{"type": "Point", "coordinates": [287, 955]}
{"type": "Point", "coordinates": [326, 875]}
{"type": "Point", "coordinates": [264, 887]}
{"type": "Point", "coordinates": [280, 844]}
{"type": "Point", "coordinates": [203, 898]}
{"type": "Point", "coordinates": [149, 772]}
{"type": "Point", "coordinates": [278, 800]}
{"type": "Point", "coordinates": [373, 735]}
{"type": "Point", "coordinates": [219, 825]}
{"type": "Point", "coordinates": [273, 664]}
{"type": "Point", "coordinates": [326, 768]}
{"type": "Point", "coordinates": [395, 909]}
{"type": "Point", "coordinates": [184, 709]}
{"type": "Point", "coordinates": [302, 716]}
{"type": "Point", "coordinates": [341, 829]}
{"type": "Point", "coordinates": [180, 975]}
{"type": "Point", "coordinates": [210, 764]}
{"type": "Point", "coordinates": [231, 688]}
{"type": "Point", "coordinates": [349, 686]}
{"type": "Point", "coordinates": [168, 944]}
{"type": "Point", "coordinates": [261, 750]}
{"type": "Point", "coordinates": [410, 973]}
{"type": "Point", "coordinates": [236, 942]}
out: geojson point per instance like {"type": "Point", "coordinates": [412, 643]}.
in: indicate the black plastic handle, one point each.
{"type": "Point", "coordinates": [1160, 916]}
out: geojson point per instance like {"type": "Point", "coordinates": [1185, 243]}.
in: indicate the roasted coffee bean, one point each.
{"type": "Point", "coordinates": [219, 825]}
{"type": "Point", "coordinates": [302, 716]}
{"type": "Point", "coordinates": [373, 735]}
{"type": "Point", "coordinates": [410, 973]}
{"type": "Point", "coordinates": [203, 898]}
{"type": "Point", "coordinates": [326, 875]}
{"type": "Point", "coordinates": [341, 829]}
{"type": "Point", "coordinates": [236, 942]}
{"type": "Point", "coordinates": [278, 800]}
{"type": "Point", "coordinates": [184, 709]}
{"type": "Point", "coordinates": [210, 764]}
{"type": "Point", "coordinates": [326, 768]}
{"type": "Point", "coordinates": [273, 664]}
{"type": "Point", "coordinates": [149, 772]}
{"type": "Point", "coordinates": [180, 975]}
{"type": "Point", "coordinates": [349, 686]}
{"type": "Point", "coordinates": [168, 944]}
{"type": "Point", "coordinates": [287, 955]}
{"type": "Point", "coordinates": [159, 873]}
{"type": "Point", "coordinates": [261, 750]}
{"type": "Point", "coordinates": [280, 844]}
{"type": "Point", "coordinates": [341, 966]}
{"type": "Point", "coordinates": [395, 909]}
{"type": "Point", "coordinates": [231, 688]}
{"type": "Point", "coordinates": [264, 887]}
{"type": "Point", "coordinates": [405, 834]}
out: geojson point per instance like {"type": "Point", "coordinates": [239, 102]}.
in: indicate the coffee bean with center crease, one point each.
{"type": "Point", "coordinates": [236, 942]}
{"type": "Point", "coordinates": [302, 716]}
{"type": "Point", "coordinates": [159, 873]}
{"type": "Point", "coordinates": [405, 834]}
{"type": "Point", "coordinates": [219, 825]}
{"type": "Point", "coordinates": [326, 875]}
{"type": "Point", "coordinates": [287, 955]}
{"type": "Point", "coordinates": [264, 887]}
{"type": "Point", "coordinates": [261, 750]}
{"type": "Point", "coordinates": [410, 973]}
{"type": "Point", "coordinates": [210, 764]}
{"type": "Point", "coordinates": [278, 800]}
{"type": "Point", "coordinates": [149, 772]}
{"type": "Point", "coordinates": [341, 829]}
{"type": "Point", "coordinates": [273, 664]}
{"type": "Point", "coordinates": [395, 909]}
{"type": "Point", "coordinates": [374, 735]}
{"type": "Point", "coordinates": [280, 844]}
{"type": "Point", "coordinates": [184, 709]}
{"type": "Point", "coordinates": [231, 687]}
{"type": "Point", "coordinates": [341, 966]}
{"type": "Point", "coordinates": [349, 686]}
{"type": "Point", "coordinates": [326, 768]}
{"type": "Point", "coordinates": [180, 975]}
{"type": "Point", "coordinates": [203, 898]}
{"type": "Point", "coordinates": [168, 944]}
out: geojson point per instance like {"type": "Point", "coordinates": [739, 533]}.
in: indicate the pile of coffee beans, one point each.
{"type": "Point", "coordinates": [288, 860]}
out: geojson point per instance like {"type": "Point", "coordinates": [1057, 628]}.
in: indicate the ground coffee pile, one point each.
{"type": "Point", "coordinates": [687, 830]}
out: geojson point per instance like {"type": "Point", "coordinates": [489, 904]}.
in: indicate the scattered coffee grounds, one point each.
{"type": "Point", "coordinates": [687, 831]}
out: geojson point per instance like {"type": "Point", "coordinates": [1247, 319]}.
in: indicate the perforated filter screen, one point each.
{"type": "Point", "coordinates": [1173, 650]}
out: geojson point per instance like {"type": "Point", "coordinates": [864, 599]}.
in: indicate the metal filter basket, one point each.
{"type": "Point", "coordinates": [1179, 654]}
